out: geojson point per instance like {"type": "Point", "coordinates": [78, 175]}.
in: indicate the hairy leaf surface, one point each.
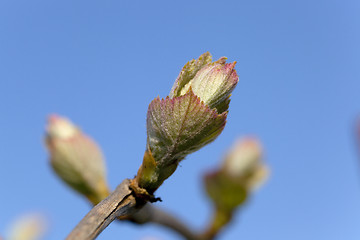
{"type": "Point", "coordinates": [181, 125]}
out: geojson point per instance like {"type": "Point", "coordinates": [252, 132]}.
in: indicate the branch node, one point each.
{"type": "Point", "coordinates": [142, 194]}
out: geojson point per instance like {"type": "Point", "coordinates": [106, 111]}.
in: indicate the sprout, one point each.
{"type": "Point", "coordinates": [192, 116]}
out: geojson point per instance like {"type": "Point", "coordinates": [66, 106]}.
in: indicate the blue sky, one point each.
{"type": "Point", "coordinates": [100, 63]}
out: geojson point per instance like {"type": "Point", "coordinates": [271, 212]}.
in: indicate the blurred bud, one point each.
{"type": "Point", "coordinates": [192, 116]}
{"type": "Point", "coordinates": [28, 227]}
{"type": "Point", "coordinates": [76, 159]}
{"type": "Point", "coordinates": [241, 172]}
{"type": "Point", "coordinates": [243, 162]}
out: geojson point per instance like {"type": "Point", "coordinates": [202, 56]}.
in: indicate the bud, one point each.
{"type": "Point", "coordinates": [243, 162]}
{"type": "Point", "coordinates": [241, 172]}
{"type": "Point", "coordinates": [76, 159]}
{"type": "Point", "coordinates": [28, 227]}
{"type": "Point", "coordinates": [193, 115]}
{"type": "Point", "coordinates": [212, 82]}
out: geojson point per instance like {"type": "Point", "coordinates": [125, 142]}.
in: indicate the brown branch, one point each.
{"type": "Point", "coordinates": [122, 204]}
{"type": "Point", "coordinates": [119, 203]}
{"type": "Point", "coordinates": [151, 214]}
{"type": "Point", "coordinates": [219, 220]}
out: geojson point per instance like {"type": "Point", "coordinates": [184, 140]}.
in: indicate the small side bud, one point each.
{"type": "Point", "coordinates": [230, 185]}
{"type": "Point", "coordinates": [242, 171]}
{"type": "Point", "coordinates": [243, 162]}
{"type": "Point", "coordinates": [76, 159]}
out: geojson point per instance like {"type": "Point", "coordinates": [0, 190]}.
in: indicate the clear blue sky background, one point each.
{"type": "Point", "coordinates": [100, 63]}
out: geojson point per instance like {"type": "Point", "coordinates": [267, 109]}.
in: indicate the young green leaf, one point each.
{"type": "Point", "coordinates": [188, 72]}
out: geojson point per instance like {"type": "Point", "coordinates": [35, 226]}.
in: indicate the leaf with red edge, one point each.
{"type": "Point", "coordinates": [179, 126]}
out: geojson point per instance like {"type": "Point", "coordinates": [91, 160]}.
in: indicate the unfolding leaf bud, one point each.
{"type": "Point", "coordinates": [76, 159]}
{"type": "Point", "coordinates": [241, 172]}
{"type": "Point", "coordinates": [193, 115]}
{"type": "Point", "coordinates": [212, 82]}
